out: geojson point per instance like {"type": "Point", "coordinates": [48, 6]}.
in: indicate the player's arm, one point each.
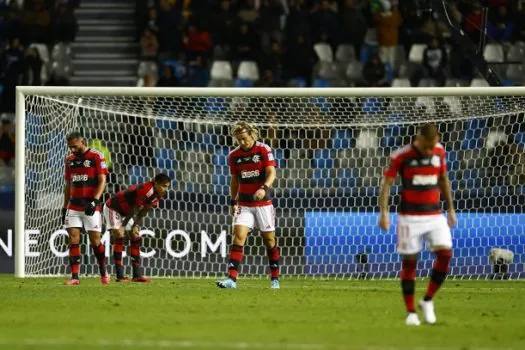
{"type": "Point", "coordinates": [271, 174]}
{"type": "Point", "coordinates": [444, 186]}
{"type": "Point", "coordinates": [384, 202]}
{"type": "Point", "coordinates": [101, 186]}
{"type": "Point", "coordinates": [234, 191]}
{"type": "Point", "coordinates": [67, 195]}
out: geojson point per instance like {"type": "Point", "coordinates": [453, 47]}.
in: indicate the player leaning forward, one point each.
{"type": "Point", "coordinates": [423, 171]}
{"type": "Point", "coordinates": [252, 169]}
{"type": "Point", "coordinates": [119, 210]}
{"type": "Point", "coordinates": [85, 176]}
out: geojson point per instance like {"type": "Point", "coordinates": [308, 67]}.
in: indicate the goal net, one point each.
{"type": "Point", "coordinates": [331, 147]}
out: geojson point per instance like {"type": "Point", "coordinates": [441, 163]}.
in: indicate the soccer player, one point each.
{"type": "Point", "coordinates": [252, 169]}
{"type": "Point", "coordinates": [85, 175]}
{"type": "Point", "coordinates": [423, 170]}
{"type": "Point", "coordinates": [119, 210]}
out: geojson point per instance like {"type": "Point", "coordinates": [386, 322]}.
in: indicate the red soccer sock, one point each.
{"type": "Point", "coordinates": [439, 272]}
{"type": "Point", "coordinates": [408, 283]}
{"type": "Point", "coordinates": [236, 254]}
{"type": "Point", "coordinates": [100, 253]}
{"type": "Point", "coordinates": [118, 248]}
{"type": "Point", "coordinates": [134, 251]}
{"type": "Point", "coordinates": [74, 260]}
{"type": "Point", "coordinates": [273, 262]}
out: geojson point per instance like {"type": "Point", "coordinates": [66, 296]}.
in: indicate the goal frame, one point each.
{"type": "Point", "coordinates": [23, 91]}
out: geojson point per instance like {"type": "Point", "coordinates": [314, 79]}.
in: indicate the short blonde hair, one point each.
{"type": "Point", "coordinates": [242, 127]}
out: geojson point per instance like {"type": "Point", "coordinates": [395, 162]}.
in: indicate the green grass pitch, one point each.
{"type": "Point", "coordinates": [304, 314]}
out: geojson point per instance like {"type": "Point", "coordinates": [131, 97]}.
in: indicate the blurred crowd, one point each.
{"type": "Point", "coordinates": [367, 42]}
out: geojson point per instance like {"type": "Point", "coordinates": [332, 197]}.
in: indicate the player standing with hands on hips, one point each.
{"type": "Point", "coordinates": [252, 169]}
{"type": "Point", "coordinates": [423, 170]}
{"type": "Point", "coordinates": [85, 175]}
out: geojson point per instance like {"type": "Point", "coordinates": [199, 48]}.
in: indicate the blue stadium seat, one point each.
{"type": "Point", "coordinates": [244, 83]}
{"type": "Point", "coordinates": [321, 83]}
{"type": "Point", "coordinates": [346, 178]}
{"type": "Point", "coordinates": [220, 156]}
{"type": "Point", "coordinates": [138, 174]}
{"type": "Point", "coordinates": [472, 143]}
{"type": "Point", "coordinates": [297, 82]}
{"type": "Point", "coordinates": [322, 178]}
{"type": "Point", "coordinates": [519, 138]}
{"type": "Point", "coordinates": [166, 159]}
{"type": "Point", "coordinates": [323, 158]}
{"type": "Point", "coordinates": [373, 104]}
{"type": "Point", "coordinates": [279, 158]}
{"type": "Point", "coordinates": [221, 179]}
{"type": "Point", "coordinates": [393, 136]}
{"type": "Point", "coordinates": [165, 124]}
{"type": "Point", "coordinates": [322, 103]}
{"type": "Point", "coordinates": [342, 138]}
{"type": "Point", "coordinates": [216, 105]}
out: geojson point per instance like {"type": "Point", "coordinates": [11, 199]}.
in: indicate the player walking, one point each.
{"type": "Point", "coordinates": [85, 175]}
{"type": "Point", "coordinates": [423, 170]}
{"type": "Point", "coordinates": [118, 213]}
{"type": "Point", "coordinates": [252, 169]}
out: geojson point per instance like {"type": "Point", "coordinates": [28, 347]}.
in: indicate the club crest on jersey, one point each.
{"type": "Point", "coordinates": [256, 158]}
{"type": "Point", "coordinates": [87, 163]}
{"type": "Point", "coordinates": [435, 161]}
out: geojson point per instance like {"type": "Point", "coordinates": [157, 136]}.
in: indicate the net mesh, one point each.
{"type": "Point", "coordinates": [331, 152]}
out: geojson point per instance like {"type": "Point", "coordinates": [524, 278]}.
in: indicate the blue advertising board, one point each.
{"type": "Point", "coordinates": [335, 243]}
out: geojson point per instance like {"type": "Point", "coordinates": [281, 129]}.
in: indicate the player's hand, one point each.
{"type": "Point", "coordinates": [91, 207]}
{"type": "Point", "coordinates": [384, 221]}
{"type": "Point", "coordinates": [261, 192]}
{"type": "Point", "coordinates": [135, 230]}
{"type": "Point", "coordinates": [451, 218]}
{"type": "Point", "coordinates": [64, 212]}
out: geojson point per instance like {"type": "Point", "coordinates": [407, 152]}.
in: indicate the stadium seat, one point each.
{"type": "Point", "coordinates": [221, 83]}
{"type": "Point", "coordinates": [400, 56]}
{"type": "Point", "coordinates": [244, 83]}
{"type": "Point", "coordinates": [147, 67]}
{"type": "Point", "coordinates": [427, 82]}
{"type": "Point", "coordinates": [345, 53]}
{"type": "Point", "coordinates": [371, 37]}
{"type": "Point", "coordinates": [479, 82]}
{"type": "Point", "coordinates": [280, 158]}
{"type": "Point", "coordinates": [354, 71]}
{"type": "Point", "coordinates": [519, 138]}
{"type": "Point", "coordinates": [515, 72]}
{"type": "Point", "coordinates": [451, 82]}
{"type": "Point", "coordinates": [324, 52]}
{"type": "Point", "coordinates": [138, 174]}
{"type": "Point", "coordinates": [400, 83]}
{"type": "Point", "coordinates": [297, 82]}
{"type": "Point", "coordinates": [516, 54]}
{"type": "Point", "coordinates": [327, 70]}
{"type": "Point", "coordinates": [346, 178]}
{"type": "Point", "coordinates": [221, 70]}
{"type": "Point", "coordinates": [42, 51]}
{"type": "Point", "coordinates": [61, 52]}
{"type": "Point", "coordinates": [323, 178]}
{"type": "Point", "coordinates": [322, 83]}
{"type": "Point", "coordinates": [323, 158]}
{"type": "Point", "coordinates": [493, 53]}
{"type": "Point", "coordinates": [248, 70]}
{"type": "Point", "coordinates": [454, 103]}
{"type": "Point", "coordinates": [342, 138]}
{"type": "Point", "coordinates": [416, 53]}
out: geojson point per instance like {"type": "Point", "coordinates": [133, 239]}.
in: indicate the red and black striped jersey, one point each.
{"type": "Point", "coordinates": [82, 172]}
{"type": "Point", "coordinates": [136, 197]}
{"type": "Point", "coordinates": [250, 168]}
{"type": "Point", "coordinates": [420, 177]}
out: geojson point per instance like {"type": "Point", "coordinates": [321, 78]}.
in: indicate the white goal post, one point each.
{"type": "Point", "coordinates": [331, 146]}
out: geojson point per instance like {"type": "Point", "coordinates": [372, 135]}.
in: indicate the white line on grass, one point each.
{"type": "Point", "coordinates": [198, 344]}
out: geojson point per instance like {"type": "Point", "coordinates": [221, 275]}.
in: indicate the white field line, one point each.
{"type": "Point", "coordinates": [197, 344]}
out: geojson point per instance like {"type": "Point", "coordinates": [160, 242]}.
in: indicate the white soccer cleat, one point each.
{"type": "Point", "coordinates": [275, 284]}
{"type": "Point", "coordinates": [428, 311]}
{"type": "Point", "coordinates": [227, 283]}
{"type": "Point", "coordinates": [412, 319]}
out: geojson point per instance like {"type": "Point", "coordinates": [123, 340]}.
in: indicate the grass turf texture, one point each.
{"type": "Point", "coordinates": [304, 314]}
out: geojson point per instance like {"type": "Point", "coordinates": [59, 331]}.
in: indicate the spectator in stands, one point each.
{"type": "Point", "coordinates": [152, 23]}
{"type": "Point", "coordinates": [224, 27]}
{"type": "Point", "coordinates": [298, 20]}
{"type": "Point", "coordinates": [66, 25]}
{"type": "Point", "coordinates": [519, 31]}
{"type": "Point", "coordinates": [435, 27]}
{"type": "Point", "coordinates": [274, 61]}
{"type": "Point", "coordinates": [501, 26]}
{"type": "Point", "coordinates": [435, 62]}
{"type": "Point", "coordinates": [410, 31]}
{"type": "Point", "coordinates": [472, 21]}
{"type": "Point", "coordinates": [149, 45]}
{"type": "Point", "coordinates": [7, 142]}
{"type": "Point", "coordinates": [168, 78]}
{"type": "Point", "coordinates": [169, 22]}
{"type": "Point", "coordinates": [324, 19]}
{"type": "Point", "coordinates": [267, 79]}
{"type": "Point", "coordinates": [11, 66]}
{"type": "Point", "coordinates": [246, 45]}
{"type": "Point", "coordinates": [32, 68]}
{"type": "Point", "coordinates": [198, 72]}
{"type": "Point", "coordinates": [374, 72]}
{"type": "Point", "coordinates": [37, 22]}
{"type": "Point", "coordinates": [270, 14]}
{"type": "Point", "coordinates": [13, 20]}
{"type": "Point", "coordinates": [299, 59]}
{"type": "Point", "coordinates": [197, 42]}
{"type": "Point", "coordinates": [388, 22]}
{"type": "Point", "coordinates": [353, 24]}
{"type": "Point", "coordinates": [248, 12]}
